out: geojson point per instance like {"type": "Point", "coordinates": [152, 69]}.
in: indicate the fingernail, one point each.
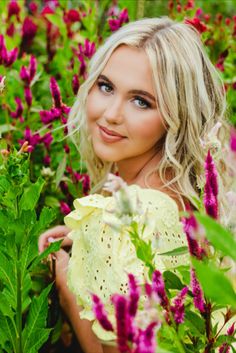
{"type": "Point", "coordinates": [51, 240]}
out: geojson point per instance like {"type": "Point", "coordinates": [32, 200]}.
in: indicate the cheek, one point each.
{"type": "Point", "coordinates": [94, 106]}
{"type": "Point", "coordinates": [149, 128]}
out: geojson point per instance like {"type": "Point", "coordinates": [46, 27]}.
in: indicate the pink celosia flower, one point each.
{"type": "Point", "coordinates": [33, 6]}
{"type": "Point", "coordinates": [122, 320]}
{"type": "Point", "coordinates": [13, 9]}
{"type": "Point", "coordinates": [134, 294]}
{"type": "Point", "coordinates": [72, 16]}
{"type": "Point", "coordinates": [56, 94]}
{"type": "Point", "coordinates": [83, 65]}
{"type": "Point", "coordinates": [7, 58]}
{"type": "Point", "coordinates": [158, 287]}
{"type": "Point", "coordinates": [19, 109]}
{"type": "Point", "coordinates": [47, 139]}
{"type": "Point", "coordinates": [146, 340]}
{"type": "Point", "coordinates": [88, 49]}
{"type": "Point", "coordinates": [75, 84]}
{"type": "Point", "coordinates": [211, 187]}
{"type": "Point", "coordinates": [10, 30]}
{"type": "Point", "coordinates": [28, 96]}
{"type": "Point", "coordinates": [197, 293]}
{"type": "Point", "coordinates": [225, 348]}
{"type": "Point", "coordinates": [199, 12]}
{"type": "Point", "coordinates": [33, 139]}
{"type": "Point", "coordinates": [233, 140]}
{"type": "Point", "coordinates": [190, 228]}
{"type": "Point", "coordinates": [178, 306]}
{"type": "Point", "coordinates": [195, 22]}
{"type": "Point", "coordinates": [29, 30]}
{"type": "Point", "coordinates": [47, 160]}
{"type": "Point", "coordinates": [65, 209]}
{"type": "Point", "coordinates": [27, 73]}
{"type": "Point", "coordinates": [115, 24]}
{"type": "Point", "coordinates": [100, 313]}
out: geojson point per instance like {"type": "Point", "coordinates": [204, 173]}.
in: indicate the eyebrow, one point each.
{"type": "Point", "coordinates": [133, 91]}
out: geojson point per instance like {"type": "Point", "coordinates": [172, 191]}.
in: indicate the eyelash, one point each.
{"type": "Point", "coordinates": [147, 104]}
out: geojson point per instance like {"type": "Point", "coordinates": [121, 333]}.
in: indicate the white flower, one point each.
{"type": "Point", "coordinates": [2, 84]}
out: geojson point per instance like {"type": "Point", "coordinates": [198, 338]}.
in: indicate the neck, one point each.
{"type": "Point", "coordinates": [133, 171]}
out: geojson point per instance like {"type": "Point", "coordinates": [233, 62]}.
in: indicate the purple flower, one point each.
{"type": "Point", "coordinates": [33, 6]}
{"type": "Point", "coordinates": [47, 160]}
{"type": "Point", "coordinates": [115, 24]}
{"type": "Point", "coordinates": [13, 9]}
{"type": "Point", "coordinates": [211, 174]}
{"type": "Point", "coordinates": [210, 201]}
{"type": "Point", "coordinates": [19, 109]}
{"type": "Point", "coordinates": [233, 140]}
{"type": "Point", "coordinates": [83, 65]}
{"type": "Point", "coordinates": [190, 227]}
{"type": "Point", "coordinates": [47, 139]}
{"type": "Point", "coordinates": [56, 94]}
{"type": "Point", "coordinates": [32, 67]}
{"type": "Point", "coordinates": [29, 30]}
{"type": "Point", "coordinates": [88, 49]}
{"type": "Point", "coordinates": [65, 209]}
{"type": "Point", "coordinates": [66, 149]}
{"type": "Point", "coordinates": [75, 84]}
{"type": "Point", "coordinates": [10, 30]}
{"type": "Point", "coordinates": [24, 75]}
{"type": "Point", "coordinates": [100, 313]}
{"type": "Point", "coordinates": [197, 293]}
{"type": "Point", "coordinates": [122, 320]}
{"type": "Point", "coordinates": [46, 116]}
{"type": "Point", "coordinates": [146, 341]}
{"type": "Point", "coordinates": [178, 308]}
{"type": "Point", "coordinates": [225, 347]}
{"type": "Point", "coordinates": [7, 58]}
{"type": "Point", "coordinates": [33, 139]}
{"type": "Point", "coordinates": [158, 287]}
{"type": "Point", "coordinates": [134, 294]}
{"type": "Point", "coordinates": [28, 96]}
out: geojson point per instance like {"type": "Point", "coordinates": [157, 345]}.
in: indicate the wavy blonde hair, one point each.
{"type": "Point", "coordinates": [189, 94]}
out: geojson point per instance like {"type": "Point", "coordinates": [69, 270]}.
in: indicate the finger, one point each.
{"type": "Point", "coordinates": [58, 232]}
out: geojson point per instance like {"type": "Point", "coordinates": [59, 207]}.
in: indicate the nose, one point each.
{"type": "Point", "coordinates": [113, 113]}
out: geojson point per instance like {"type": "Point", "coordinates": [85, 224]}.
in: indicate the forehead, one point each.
{"type": "Point", "coordinates": [130, 66]}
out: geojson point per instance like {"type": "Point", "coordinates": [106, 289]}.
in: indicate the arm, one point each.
{"type": "Point", "coordinates": [82, 328]}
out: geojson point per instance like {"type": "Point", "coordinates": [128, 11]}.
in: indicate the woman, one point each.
{"type": "Point", "coordinates": [150, 98]}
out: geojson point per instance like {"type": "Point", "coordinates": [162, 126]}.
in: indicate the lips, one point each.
{"type": "Point", "coordinates": [110, 132]}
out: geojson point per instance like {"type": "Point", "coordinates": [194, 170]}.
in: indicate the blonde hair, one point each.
{"type": "Point", "coordinates": [189, 94]}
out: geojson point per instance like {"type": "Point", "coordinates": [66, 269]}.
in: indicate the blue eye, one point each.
{"type": "Point", "coordinates": [104, 87]}
{"type": "Point", "coordinates": [143, 104]}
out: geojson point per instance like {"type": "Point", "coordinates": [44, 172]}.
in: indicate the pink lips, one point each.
{"type": "Point", "coordinates": [109, 136]}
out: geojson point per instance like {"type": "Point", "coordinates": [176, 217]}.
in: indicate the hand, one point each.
{"type": "Point", "coordinates": [53, 234]}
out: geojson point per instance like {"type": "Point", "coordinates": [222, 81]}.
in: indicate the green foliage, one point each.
{"type": "Point", "coordinates": [23, 313]}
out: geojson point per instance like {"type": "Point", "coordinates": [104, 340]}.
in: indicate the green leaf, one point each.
{"type": "Point", "coordinates": [215, 284]}
{"type": "Point", "coordinates": [224, 339]}
{"type": "Point", "coordinates": [177, 251]}
{"type": "Point", "coordinates": [46, 217]}
{"type": "Point", "coordinates": [36, 320]}
{"type": "Point", "coordinates": [8, 331]}
{"type": "Point", "coordinates": [51, 248]}
{"type": "Point", "coordinates": [220, 237]}
{"type": "Point", "coordinates": [8, 275]}
{"type": "Point", "coordinates": [31, 195]}
{"type": "Point", "coordinates": [60, 170]}
{"type": "Point", "coordinates": [172, 281]}
{"type": "Point", "coordinates": [195, 323]}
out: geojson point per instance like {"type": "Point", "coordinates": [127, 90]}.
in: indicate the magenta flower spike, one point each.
{"type": "Point", "coordinates": [211, 173]}
{"type": "Point", "coordinates": [83, 65]}
{"type": "Point", "coordinates": [210, 201]}
{"type": "Point", "coordinates": [146, 342]}
{"type": "Point", "coordinates": [65, 209]}
{"type": "Point", "coordinates": [32, 67]}
{"type": "Point", "coordinates": [100, 313]}
{"type": "Point", "coordinates": [29, 29]}
{"type": "Point", "coordinates": [75, 84]}
{"type": "Point", "coordinates": [190, 227]}
{"type": "Point", "coordinates": [123, 16]}
{"type": "Point", "coordinates": [178, 308]}
{"type": "Point", "coordinates": [24, 75]}
{"type": "Point", "coordinates": [114, 24]}
{"type": "Point", "coordinates": [13, 9]}
{"type": "Point", "coordinates": [122, 322]}
{"type": "Point", "coordinates": [134, 294]}
{"type": "Point", "coordinates": [158, 287]}
{"type": "Point", "coordinates": [10, 30]}
{"type": "Point", "coordinates": [28, 96]}
{"type": "Point", "coordinates": [47, 160]}
{"type": "Point", "coordinates": [233, 140]}
{"type": "Point", "coordinates": [7, 58]}
{"type": "Point", "coordinates": [56, 94]}
{"type": "Point", "coordinates": [225, 348]}
{"type": "Point", "coordinates": [12, 56]}
{"type": "Point", "coordinates": [198, 299]}
{"type": "Point", "coordinates": [19, 109]}
{"type": "Point", "coordinates": [47, 139]}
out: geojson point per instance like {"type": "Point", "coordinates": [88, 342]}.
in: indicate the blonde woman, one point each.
{"type": "Point", "coordinates": [152, 96]}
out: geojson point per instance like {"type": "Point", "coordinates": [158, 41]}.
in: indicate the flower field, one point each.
{"type": "Point", "coordinates": [45, 49]}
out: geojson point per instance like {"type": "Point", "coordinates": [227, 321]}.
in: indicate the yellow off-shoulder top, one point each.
{"type": "Point", "coordinates": [102, 257]}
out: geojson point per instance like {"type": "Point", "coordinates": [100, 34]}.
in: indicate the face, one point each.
{"type": "Point", "coordinates": [122, 114]}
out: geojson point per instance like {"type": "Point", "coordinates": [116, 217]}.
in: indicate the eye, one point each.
{"type": "Point", "coordinates": [105, 87]}
{"type": "Point", "coordinates": [142, 103]}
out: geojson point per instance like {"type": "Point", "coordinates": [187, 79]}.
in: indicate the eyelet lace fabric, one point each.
{"type": "Point", "coordinates": [102, 257]}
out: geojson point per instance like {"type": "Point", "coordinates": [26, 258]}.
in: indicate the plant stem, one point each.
{"type": "Point", "coordinates": [19, 311]}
